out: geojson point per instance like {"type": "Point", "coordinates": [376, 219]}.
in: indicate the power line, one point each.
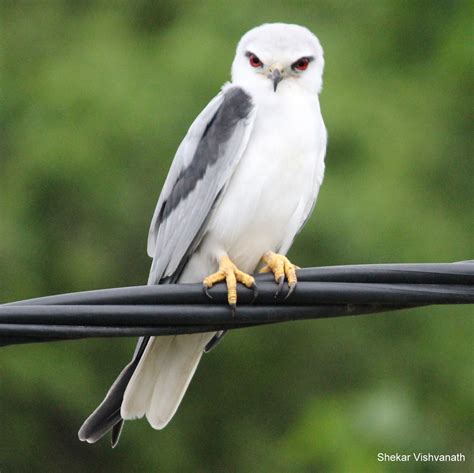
{"type": "Point", "coordinates": [183, 308]}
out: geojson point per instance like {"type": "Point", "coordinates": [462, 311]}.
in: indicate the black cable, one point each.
{"type": "Point", "coordinates": [183, 308]}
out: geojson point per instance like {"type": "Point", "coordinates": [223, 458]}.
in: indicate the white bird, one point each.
{"type": "Point", "coordinates": [242, 184]}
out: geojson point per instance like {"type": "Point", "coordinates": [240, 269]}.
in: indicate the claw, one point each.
{"type": "Point", "coordinates": [282, 268]}
{"type": "Point", "coordinates": [229, 273]}
{"type": "Point", "coordinates": [233, 309]}
{"type": "Point", "coordinates": [206, 291]}
{"type": "Point", "coordinates": [281, 281]}
{"type": "Point", "coordinates": [291, 290]}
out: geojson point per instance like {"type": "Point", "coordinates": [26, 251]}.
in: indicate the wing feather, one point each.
{"type": "Point", "coordinates": [204, 163]}
{"type": "Point", "coordinates": [201, 169]}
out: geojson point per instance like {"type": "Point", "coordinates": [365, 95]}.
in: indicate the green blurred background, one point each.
{"type": "Point", "coordinates": [95, 98]}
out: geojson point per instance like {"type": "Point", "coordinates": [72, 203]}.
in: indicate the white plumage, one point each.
{"type": "Point", "coordinates": [269, 196]}
{"type": "Point", "coordinates": [263, 195]}
{"type": "Point", "coordinates": [161, 379]}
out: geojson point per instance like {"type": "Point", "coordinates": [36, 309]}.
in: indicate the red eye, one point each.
{"type": "Point", "coordinates": [255, 61]}
{"type": "Point", "coordinates": [302, 64]}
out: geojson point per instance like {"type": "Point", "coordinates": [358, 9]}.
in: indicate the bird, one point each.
{"type": "Point", "coordinates": [242, 184]}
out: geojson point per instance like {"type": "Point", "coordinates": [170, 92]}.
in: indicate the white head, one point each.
{"type": "Point", "coordinates": [279, 56]}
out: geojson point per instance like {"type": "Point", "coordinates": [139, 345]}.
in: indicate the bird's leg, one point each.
{"type": "Point", "coordinates": [281, 267]}
{"type": "Point", "coordinates": [229, 273]}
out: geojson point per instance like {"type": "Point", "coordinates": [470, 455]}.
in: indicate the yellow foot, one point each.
{"type": "Point", "coordinates": [281, 267]}
{"type": "Point", "coordinates": [229, 273]}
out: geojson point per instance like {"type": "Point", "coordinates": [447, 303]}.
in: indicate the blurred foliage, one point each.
{"type": "Point", "coordinates": [95, 99]}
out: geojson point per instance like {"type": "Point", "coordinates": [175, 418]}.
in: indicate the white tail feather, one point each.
{"type": "Point", "coordinates": [139, 390]}
{"type": "Point", "coordinates": [162, 377]}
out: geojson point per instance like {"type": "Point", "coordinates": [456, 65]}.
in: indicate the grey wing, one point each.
{"type": "Point", "coordinates": [200, 171]}
{"type": "Point", "coordinates": [203, 165]}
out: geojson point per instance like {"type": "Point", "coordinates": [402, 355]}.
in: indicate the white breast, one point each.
{"type": "Point", "coordinates": [274, 184]}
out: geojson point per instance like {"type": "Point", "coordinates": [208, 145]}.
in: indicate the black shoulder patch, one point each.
{"type": "Point", "coordinates": [236, 106]}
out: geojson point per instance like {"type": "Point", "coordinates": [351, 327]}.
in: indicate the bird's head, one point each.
{"type": "Point", "coordinates": [277, 56]}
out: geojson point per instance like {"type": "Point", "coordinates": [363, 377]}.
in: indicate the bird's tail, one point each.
{"type": "Point", "coordinates": [162, 376]}
{"type": "Point", "coordinates": [153, 383]}
{"type": "Point", "coordinates": [107, 415]}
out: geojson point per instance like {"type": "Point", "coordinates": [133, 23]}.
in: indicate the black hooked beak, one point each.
{"type": "Point", "coordinates": [276, 78]}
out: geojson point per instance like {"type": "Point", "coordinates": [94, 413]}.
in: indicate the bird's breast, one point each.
{"type": "Point", "coordinates": [274, 177]}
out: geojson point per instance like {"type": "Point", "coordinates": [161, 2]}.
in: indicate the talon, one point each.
{"type": "Point", "coordinates": [290, 272]}
{"type": "Point", "coordinates": [280, 281]}
{"type": "Point", "coordinates": [282, 268]}
{"type": "Point", "coordinates": [292, 289]}
{"type": "Point", "coordinates": [229, 273]}
{"type": "Point", "coordinates": [233, 309]}
{"type": "Point", "coordinates": [206, 290]}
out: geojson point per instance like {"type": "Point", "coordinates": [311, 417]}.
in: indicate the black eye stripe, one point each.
{"type": "Point", "coordinates": [304, 58]}
{"type": "Point", "coordinates": [254, 59]}
{"type": "Point", "coordinates": [250, 53]}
